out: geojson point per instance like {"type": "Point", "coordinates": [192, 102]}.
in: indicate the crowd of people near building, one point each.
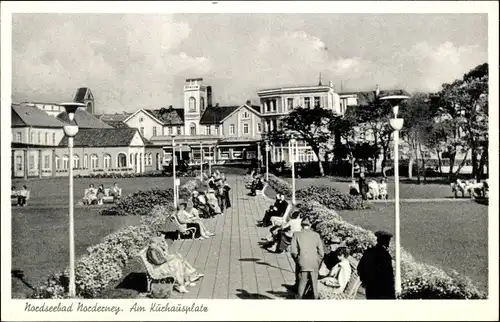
{"type": "Point", "coordinates": [95, 196]}
{"type": "Point", "coordinates": [367, 190]}
{"type": "Point", "coordinates": [20, 197]}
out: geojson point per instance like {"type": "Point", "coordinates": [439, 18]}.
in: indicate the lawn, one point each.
{"type": "Point", "coordinates": [449, 235]}
{"type": "Point", "coordinates": [406, 190]}
{"type": "Point", "coordinates": [40, 231]}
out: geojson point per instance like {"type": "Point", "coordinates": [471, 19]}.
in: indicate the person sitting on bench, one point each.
{"type": "Point", "coordinates": [184, 219]}
{"type": "Point", "coordinates": [22, 195]}
{"type": "Point", "coordinates": [90, 195]}
{"type": "Point", "coordinates": [271, 212]}
{"type": "Point", "coordinates": [193, 217]}
{"type": "Point", "coordinates": [258, 185]}
{"type": "Point", "coordinates": [340, 274]}
{"type": "Point", "coordinates": [283, 236]}
{"type": "Point", "coordinates": [171, 264]}
{"type": "Point", "coordinates": [200, 203]}
{"type": "Point", "coordinates": [115, 192]}
{"type": "Point", "coordinates": [212, 201]}
{"type": "Point", "coordinates": [100, 194]}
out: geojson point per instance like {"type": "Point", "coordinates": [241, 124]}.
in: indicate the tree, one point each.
{"type": "Point", "coordinates": [343, 129]}
{"type": "Point", "coordinates": [463, 119]}
{"type": "Point", "coordinates": [309, 125]}
{"type": "Point", "coordinates": [418, 128]}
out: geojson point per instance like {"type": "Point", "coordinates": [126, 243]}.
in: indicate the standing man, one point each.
{"type": "Point", "coordinates": [307, 252]}
{"type": "Point", "coordinates": [375, 269]}
{"type": "Point", "coordinates": [363, 187]}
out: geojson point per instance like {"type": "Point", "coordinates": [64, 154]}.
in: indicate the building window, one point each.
{"type": "Point", "coordinates": [19, 163]}
{"type": "Point", "coordinates": [179, 130]}
{"type": "Point", "coordinates": [259, 127]}
{"type": "Point", "coordinates": [58, 163]}
{"type": "Point", "coordinates": [53, 138]}
{"type": "Point", "coordinates": [131, 161]}
{"type": "Point", "coordinates": [170, 130]}
{"type": "Point", "coordinates": [141, 119]}
{"type": "Point", "coordinates": [202, 104]}
{"type": "Point", "coordinates": [107, 161]}
{"type": "Point", "coordinates": [307, 102]}
{"type": "Point", "coordinates": [150, 159]}
{"type": "Point", "coordinates": [32, 137]}
{"type": "Point", "coordinates": [46, 138]}
{"type": "Point", "coordinates": [192, 129]}
{"type": "Point", "coordinates": [142, 131]}
{"type": "Point", "coordinates": [19, 137]}
{"type": "Point", "coordinates": [289, 103]}
{"type": "Point", "coordinates": [121, 160]}
{"type": "Point", "coordinates": [317, 101]}
{"type": "Point", "coordinates": [245, 128]}
{"type": "Point", "coordinates": [216, 129]}
{"type": "Point", "coordinates": [65, 162]}
{"type": "Point", "coordinates": [275, 125]}
{"type": "Point", "coordinates": [245, 115]}
{"type": "Point", "coordinates": [154, 130]}
{"type": "Point", "coordinates": [231, 129]}
{"type": "Point", "coordinates": [208, 130]}
{"type": "Point", "coordinates": [46, 162]}
{"type": "Point", "coordinates": [39, 138]}
{"type": "Point", "coordinates": [76, 161]}
{"type": "Point", "coordinates": [192, 104]}
{"type": "Point", "coordinates": [94, 161]}
{"type": "Point", "coordinates": [85, 161]}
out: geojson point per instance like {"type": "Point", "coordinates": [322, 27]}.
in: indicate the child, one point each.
{"type": "Point", "coordinates": [382, 187]}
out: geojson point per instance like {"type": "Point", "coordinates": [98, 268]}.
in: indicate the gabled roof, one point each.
{"type": "Point", "coordinates": [82, 94]}
{"type": "Point", "coordinates": [116, 124]}
{"type": "Point", "coordinates": [102, 137]}
{"type": "Point", "coordinates": [215, 114]}
{"type": "Point", "coordinates": [23, 115]}
{"type": "Point", "coordinates": [117, 117]}
{"type": "Point", "coordinates": [168, 116]}
{"type": "Point", "coordinates": [84, 120]}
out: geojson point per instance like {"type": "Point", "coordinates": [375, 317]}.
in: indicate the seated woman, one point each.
{"type": "Point", "coordinates": [116, 192]}
{"type": "Point", "coordinates": [194, 217]}
{"type": "Point", "coordinates": [271, 212]}
{"type": "Point", "coordinates": [258, 185]}
{"type": "Point", "coordinates": [100, 194]}
{"type": "Point", "coordinates": [341, 273]}
{"type": "Point", "coordinates": [22, 196]}
{"type": "Point", "coordinates": [200, 203]}
{"type": "Point", "coordinates": [171, 264]}
{"type": "Point", "coordinates": [282, 237]}
{"type": "Point", "coordinates": [184, 219]}
{"type": "Point", "coordinates": [212, 201]}
{"type": "Point", "coordinates": [211, 181]}
{"type": "Point", "coordinates": [90, 195]}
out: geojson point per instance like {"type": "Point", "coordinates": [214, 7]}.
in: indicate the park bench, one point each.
{"type": "Point", "coordinates": [14, 200]}
{"type": "Point", "coordinates": [110, 199]}
{"type": "Point", "coordinates": [181, 229]}
{"type": "Point", "coordinates": [278, 221]}
{"type": "Point", "coordinates": [152, 275]}
{"type": "Point", "coordinates": [261, 192]}
{"type": "Point", "coordinates": [352, 286]}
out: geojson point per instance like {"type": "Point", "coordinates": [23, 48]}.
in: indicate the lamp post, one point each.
{"type": "Point", "coordinates": [70, 131]}
{"type": "Point", "coordinates": [173, 171]}
{"type": "Point", "coordinates": [396, 124]}
{"type": "Point", "coordinates": [210, 159]}
{"type": "Point", "coordinates": [201, 161]}
{"type": "Point", "coordinates": [291, 150]}
{"type": "Point", "coordinates": [268, 148]}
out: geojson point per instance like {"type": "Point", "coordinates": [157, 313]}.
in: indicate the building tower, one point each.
{"type": "Point", "coordinates": [84, 95]}
{"type": "Point", "coordinates": [195, 103]}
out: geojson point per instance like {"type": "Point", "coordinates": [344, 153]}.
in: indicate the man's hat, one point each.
{"type": "Point", "coordinates": [383, 234]}
{"type": "Point", "coordinates": [195, 192]}
{"type": "Point", "coordinates": [306, 222]}
{"type": "Point", "coordinates": [182, 202]}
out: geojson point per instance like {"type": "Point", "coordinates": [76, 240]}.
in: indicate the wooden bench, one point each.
{"type": "Point", "coordinates": [14, 200]}
{"type": "Point", "coordinates": [279, 221]}
{"type": "Point", "coordinates": [182, 230]}
{"type": "Point", "coordinates": [151, 274]}
{"type": "Point", "coordinates": [110, 199]}
{"type": "Point", "coordinates": [261, 192]}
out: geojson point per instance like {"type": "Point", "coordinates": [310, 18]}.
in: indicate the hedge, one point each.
{"type": "Point", "coordinates": [104, 262]}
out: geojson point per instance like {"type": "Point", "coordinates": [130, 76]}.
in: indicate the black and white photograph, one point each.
{"type": "Point", "coordinates": [172, 157]}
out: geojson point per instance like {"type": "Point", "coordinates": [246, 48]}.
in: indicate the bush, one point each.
{"type": "Point", "coordinates": [419, 281]}
{"type": "Point", "coordinates": [332, 198]}
{"type": "Point", "coordinates": [280, 186]}
{"type": "Point", "coordinates": [140, 203]}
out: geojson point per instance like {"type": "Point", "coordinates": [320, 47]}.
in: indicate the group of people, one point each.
{"type": "Point", "coordinates": [371, 190]}
{"type": "Point", "coordinates": [95, 196]}
{"type": "Point", "coordinates": [472, 187]}
{"type": "Point", "coordinates": [216, 199]}
{"type": "Point", "coordinates": [20, 195]}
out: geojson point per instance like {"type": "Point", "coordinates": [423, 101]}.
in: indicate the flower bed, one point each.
{"type": "Point", "coordinates": [419, 281]}
{"type": "Point", "coordinates": [280, 186]}
{"type": "Point", "coordinates": [104, 262]}
{"type": "Point", "coordinates": [140, 202]}
{"type": "Point", "coordinates": [332, 198]}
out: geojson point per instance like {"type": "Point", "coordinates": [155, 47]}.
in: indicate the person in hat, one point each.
{"type": "Point", "coordinates": [227, 188]}
{"type": "Point", "coordinates": [307, 252]}
{"type": "Point", "coordinates": [375, 269]}
{"type": "Point", "coordinates": [212, 201]}
{"type": "Point", "coordinates": [183, 218]}
{"type": "Point", "coordinates": [258, 184]}
{"type": "Point", "coordinates": [175, 265]}
{"type": "Point", "coordinates": [271, 212]}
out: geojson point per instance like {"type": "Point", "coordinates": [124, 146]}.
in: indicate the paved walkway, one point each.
{"type": "Point", "coordinates": [232, 261]}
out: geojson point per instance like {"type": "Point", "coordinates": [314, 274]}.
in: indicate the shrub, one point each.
{"type": "Point", "coordinates": [280, 186]}
{"type": "Point", "coordinates": [332, 198]}
{"type": "Point", "coordinates": [419, 281]}
{"type": "Point", "coordinates": [140, 203]}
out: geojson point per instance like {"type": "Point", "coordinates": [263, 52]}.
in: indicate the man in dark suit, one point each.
{"type": "Point", "coordinates": [282, 205]}
{"type": "Point", "coordinates": [307, 252]}
{"type": "Point", "coordinates": [272, 211]}
{"type": "Point", "coordinates": [375, 269]}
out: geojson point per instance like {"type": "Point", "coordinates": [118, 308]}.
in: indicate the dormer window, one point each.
{"type": "Point", "coordinates": [141, 119]}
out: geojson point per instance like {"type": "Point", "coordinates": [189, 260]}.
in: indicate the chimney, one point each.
{"type": "Point", "coordinates": [209, 96]}
{"type": "Point", "coordinates": [216, 104]}
{"type": "Point", "coordinates": [249, 103]}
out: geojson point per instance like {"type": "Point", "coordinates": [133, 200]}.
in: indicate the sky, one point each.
{"type": "Point", "coordinates": [142, 60]}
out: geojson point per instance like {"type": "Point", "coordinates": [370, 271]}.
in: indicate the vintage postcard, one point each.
{"type": "Point", "coordinates": [249, 161]}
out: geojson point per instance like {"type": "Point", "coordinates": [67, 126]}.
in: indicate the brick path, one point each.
{"type": "Point", "coordinates": [232, 261]}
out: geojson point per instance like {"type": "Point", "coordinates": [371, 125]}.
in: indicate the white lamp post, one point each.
{"type": "Point", "coordinates": [291, 149]}
{"type": "Point", "coordinates": [396, 124]}
{"type": "Point", "coordinates": [173, 171]}
{"type": "Point", "coordinates": [210, 159]}
{"type": "Point", "coordinates": [71, 130]}
{"type": "Point", "coordinates": [268, 148]}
